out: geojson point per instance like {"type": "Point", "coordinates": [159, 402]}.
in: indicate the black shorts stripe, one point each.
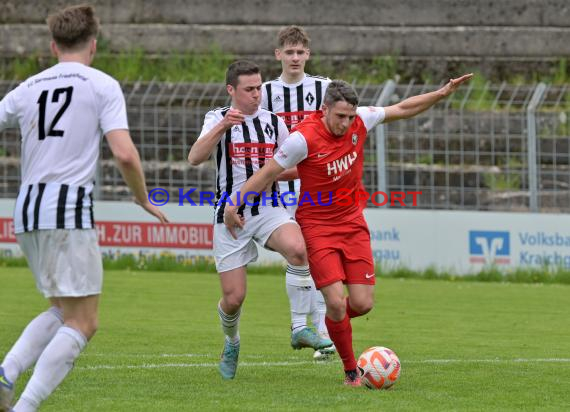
{"type": "Point", "coordinates": [62, 199]}
{"type": "Point", "coordinates": [79, 208]}
{"type": "Point", "coordinates": [41, 188]}
{"type": "Point", "coordinates": [25, 208]}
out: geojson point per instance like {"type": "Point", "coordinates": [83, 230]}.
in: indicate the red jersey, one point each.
{"type": "Point", "coordinates": [330, 167]}
{"type": "Point", "coordinates": [331, 173]}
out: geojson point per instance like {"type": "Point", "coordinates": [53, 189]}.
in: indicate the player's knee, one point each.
{"type": "Point", "coordinates": [233, 301]}
{"type": "Point", "coordinates": [336, 307]}
{"type": "Point", "coordinates": [297, 254]}
{"type": "Point", "coordinates": [362, 306]}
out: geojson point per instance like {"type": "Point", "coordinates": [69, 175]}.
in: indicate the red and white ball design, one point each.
{"type": "Point", "coordinates": [379, 367]}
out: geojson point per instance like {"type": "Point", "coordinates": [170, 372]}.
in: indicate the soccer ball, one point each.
{"type": "Point", "coordinates": [379, 367]}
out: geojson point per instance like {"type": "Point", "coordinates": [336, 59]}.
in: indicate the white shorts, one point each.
{"type": "Point", "coordinates": [65, 262]}
{"type": "Point", "coordinates": [230, 253]}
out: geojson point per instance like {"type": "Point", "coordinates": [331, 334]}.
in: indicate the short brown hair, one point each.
{"type": "Point", "coordinates": [239, 68]}
{"type": "Point", "coordinates": [293, 35]}
{"type": "Point", "coordinates": [340, 91]}
{"type": "Point", "coordinates": [72, 27]}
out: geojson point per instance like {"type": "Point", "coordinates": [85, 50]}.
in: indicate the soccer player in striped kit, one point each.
{"type": "Point", "coordinates": [243, 138]}
{"type": "Point", "coordinates": [62, 113]}
{"type": "Point", "coordinates": [328, 151]}
{"type": "Point", "coordinates": [293, 96]}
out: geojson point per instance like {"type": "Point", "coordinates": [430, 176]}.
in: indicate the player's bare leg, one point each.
{"type": "Point", "coordinates": [360, 299]}
{"type": "Point", "coordinates": [56, 360]}
{"type": "Point", "coordinates": [234, 287]}
{"type": "Point", "coordinates": [288, 240]}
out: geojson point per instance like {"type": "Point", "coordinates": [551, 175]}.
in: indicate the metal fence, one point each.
{"type": "Point", "coordinates": [487, 147]}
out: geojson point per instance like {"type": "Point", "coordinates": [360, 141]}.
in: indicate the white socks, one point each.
{"type": "Point", "coordinates": [305, 299]}
{"type": "Point", "coordinates": [230, 324]}
{"type": "Point", "coordinates": [300, 288]}
{"type": "Point", "coordinates": [52, 367]}
{"type": "Point", "coordinates": [32, 343]}
{"type": "Point", "coordinates": [318, 312]}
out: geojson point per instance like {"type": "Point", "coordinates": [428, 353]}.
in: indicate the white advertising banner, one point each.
{"type": "Point", "coordinates": [460, 242]}
{"type": "Point", "coordinates": [464, 242]}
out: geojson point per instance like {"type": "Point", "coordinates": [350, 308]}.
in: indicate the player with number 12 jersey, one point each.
{"type": "Point", "coordinates": [61, 135]}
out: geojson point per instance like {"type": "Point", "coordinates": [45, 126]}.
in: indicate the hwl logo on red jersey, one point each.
{"type": "Point", "coordinates": [341, 165]}
{"type": "Point", "coordinates": [254, 150]}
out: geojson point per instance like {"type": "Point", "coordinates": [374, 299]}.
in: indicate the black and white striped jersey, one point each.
{"type": "Point", "coordinates": [62, 113]}
{"type": "Point", "coordinates": [242, 150]}
{"type": "Point", "coordinates": [294, 102]}
{"type": "Point", "coordinates": [54, 206]}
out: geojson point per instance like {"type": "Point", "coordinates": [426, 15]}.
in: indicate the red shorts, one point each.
{"type": "Point", "coordinates": [340, 253]}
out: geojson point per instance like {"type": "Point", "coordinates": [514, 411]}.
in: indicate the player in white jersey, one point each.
{"type": "Point", "coordinates": [293, 96]}
{"type": "Point", "coordinates": [62, 113]}
{"type": "Point", "coordinates": [243, 138]}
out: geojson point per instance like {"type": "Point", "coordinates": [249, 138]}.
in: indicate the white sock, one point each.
{"type": "Point", "coordinates": [52, 367]}
{"type": "Point", "coordinates": [319, 310]}
{"type": "Point", "coordinates": [32, 342]}
{"type": "Point", "coordinates": [300, 287]}
{"type": "Point", "coordinates": [230, 324]}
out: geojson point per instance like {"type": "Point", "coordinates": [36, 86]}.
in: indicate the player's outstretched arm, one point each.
{"type": "Point", "coordinates": [204, 146]}
{"type": "Point", "coordinates": [129, 164]}
{"type": "Point", "coordinates": [417, 104]}
{"type": "Point", "coordinates": [256, 183]}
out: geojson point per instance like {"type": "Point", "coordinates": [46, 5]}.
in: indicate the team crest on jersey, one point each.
{"type": "Point", "coordinates": [268, 131]}
{"type": "Point", "coordinates": [354, 139]}
{"type": "Point", "coordinates": [309, 99]}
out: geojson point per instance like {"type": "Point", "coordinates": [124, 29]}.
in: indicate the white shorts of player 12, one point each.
{"type": "Point", "coordinates": [379, 367]}
{"type": "Point", "coordinates": [65, 262]}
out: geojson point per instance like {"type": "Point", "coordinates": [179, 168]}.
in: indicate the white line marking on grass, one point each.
{"type": "Point", "coordinates": [148, 355]}
{"type": "Point", "coordinates": [189, 365]}
{"type": "Point", "coordinates": [287, 363]}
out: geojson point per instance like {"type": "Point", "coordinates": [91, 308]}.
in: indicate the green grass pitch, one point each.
{"type": "Point", "coordinates": [463, 346]}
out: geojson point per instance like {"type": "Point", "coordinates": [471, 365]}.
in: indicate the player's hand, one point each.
{"type": "Point", "coordinates": [453, 84]}
{"type": "Point", "coordinates": [153, 210]}
{"type": "Point", "coordinates": [233, 117]}
{"type": "Point", "coordinates": [233, 220]}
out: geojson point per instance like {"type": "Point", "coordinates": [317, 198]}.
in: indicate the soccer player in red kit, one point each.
{"type": "Point", "coordinates": [328, 150]}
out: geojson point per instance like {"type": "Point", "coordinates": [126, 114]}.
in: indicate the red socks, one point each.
{"type": "Point", "coordinates": [341, 335]}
